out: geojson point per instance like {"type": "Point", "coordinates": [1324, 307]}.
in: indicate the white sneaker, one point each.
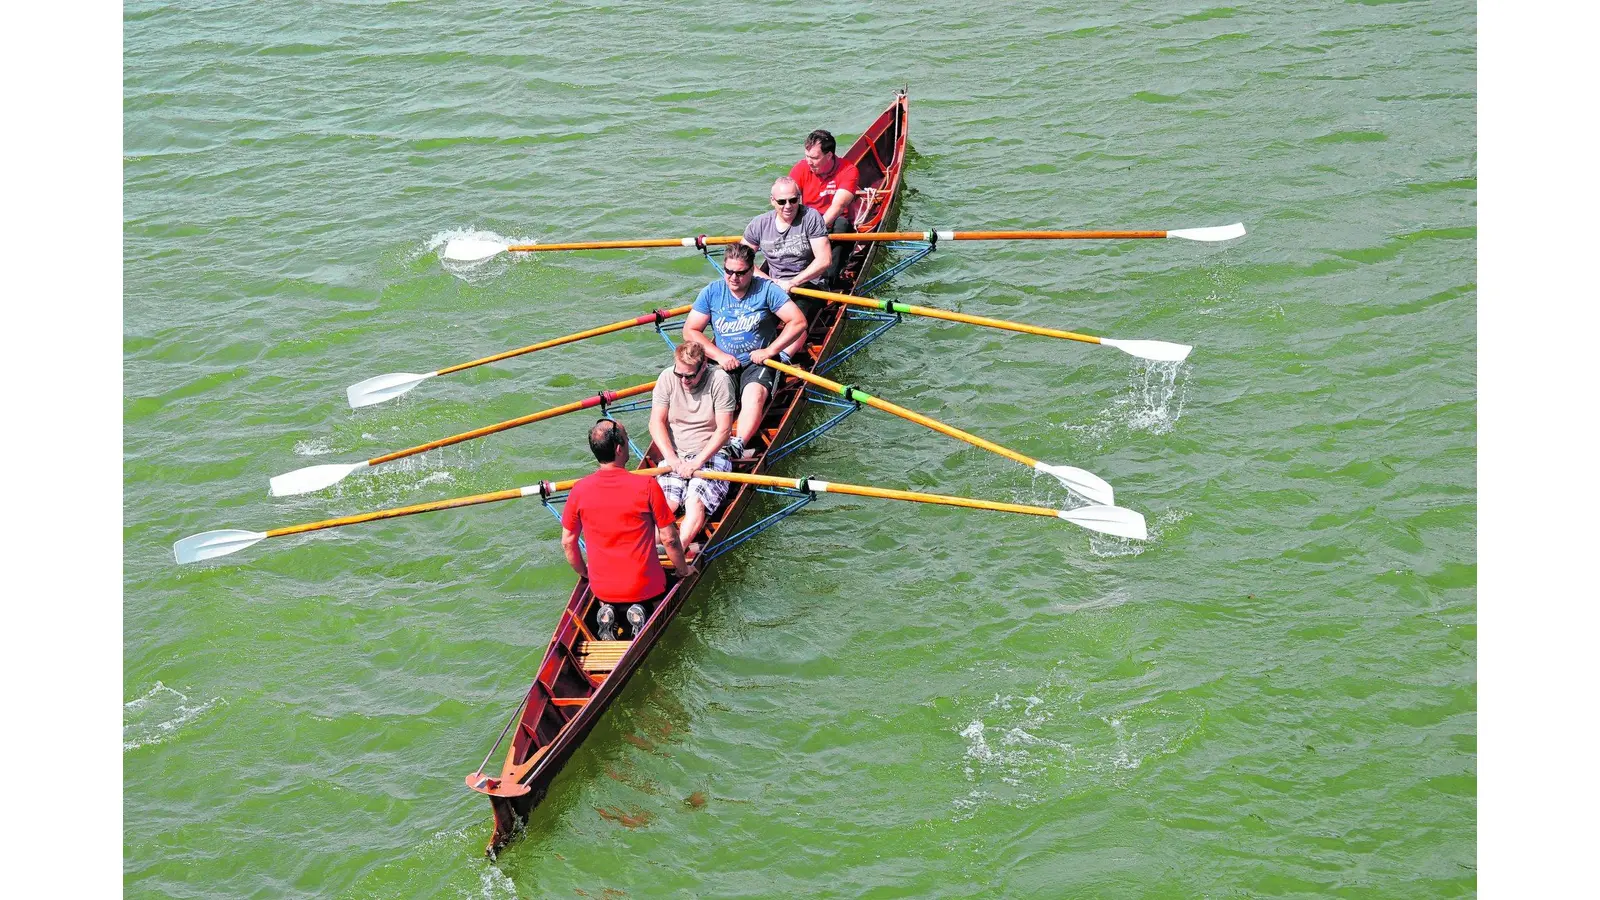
{"type": "Point", "coordinates": [734, 448]}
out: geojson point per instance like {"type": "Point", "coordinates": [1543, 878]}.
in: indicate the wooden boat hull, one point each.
{"type": "Point", "coordinates": [580, 675]}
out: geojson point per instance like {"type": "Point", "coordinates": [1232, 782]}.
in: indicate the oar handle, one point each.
{"type": "Point", "coordinates": [936, 313]}
{"type": "Point", "coordinates": [999, 236]}
{"type": "Point", "coordinates": [628, 245]}
{"type": "Point", "coordinates": [586, 403]}
{"type": "Point", "coordinates": [659, 315]}
{"type": "Point", "coordinates": [835, 487]}
{"type": "Point", "coordinates": [454, 503]}
{"type": "Point", "coordinates": [854, 393]}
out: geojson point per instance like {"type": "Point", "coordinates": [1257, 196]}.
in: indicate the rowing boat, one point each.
{"type": "Point", "coordinates": [581, 674]}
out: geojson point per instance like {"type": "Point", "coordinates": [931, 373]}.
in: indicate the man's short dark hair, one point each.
{"type": "Point", "coordinates": [739, 252]}
{"type": "Point", "coordinates": [825, 138]}
{"type": "Point", "coordinates": [604, 439]}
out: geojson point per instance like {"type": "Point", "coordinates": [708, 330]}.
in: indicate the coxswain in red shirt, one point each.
{"type": "Point", "coordinates": [620, 517]}
{"type": "Point", "coordinates": [828, 184]}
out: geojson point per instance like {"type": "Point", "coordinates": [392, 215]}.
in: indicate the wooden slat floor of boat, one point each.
{"type": "Point", "coordinates": [601, 656]}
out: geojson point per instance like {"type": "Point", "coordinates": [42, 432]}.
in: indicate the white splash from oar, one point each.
{"type": "Point", "coordinates": [1214, 233]}
{"type": "Point", "coordinates": [1085, 484]}
{"type": "Point", "coordinates": [380, 388]}
{"type": "Point", "coordinates": [1156, 351]}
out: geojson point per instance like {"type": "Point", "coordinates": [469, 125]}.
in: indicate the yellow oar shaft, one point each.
{"type": "Point", "coordinates": [853, 393]}
{"type": "Point", "coordinates": [586, 403]}
{"type": "Point", "coordinates": [455, 503]}
{"type": "Point", "coordinates": [834, 487]}
{"type": "Point", "coordinates": [659, 315]}
{"type": "Point", "coordinates": [624, 245]}
{"type": "Point", "coordinates": [934, 313]}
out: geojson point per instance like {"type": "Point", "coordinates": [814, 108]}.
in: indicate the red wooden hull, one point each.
{"type": "Point", "coordinates": [579, 676]}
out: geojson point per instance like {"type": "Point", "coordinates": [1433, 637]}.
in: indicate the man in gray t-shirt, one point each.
{"type": "Point", "coordinates": [691, 416]}
{"type": "Point", "coordinates": [794, 241]}
{"type": "Point", "coordinates": [791, 238]}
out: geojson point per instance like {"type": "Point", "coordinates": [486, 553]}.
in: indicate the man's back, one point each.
{"type": "Point", "coordinates": [616, 513]}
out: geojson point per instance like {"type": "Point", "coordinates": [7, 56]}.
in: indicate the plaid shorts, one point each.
{"type": "Point", "coordinates": [710, 492]}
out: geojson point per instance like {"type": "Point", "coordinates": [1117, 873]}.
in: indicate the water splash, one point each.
{"type": "Point", "coordinates": [1153, 403]}
{"type": "Point", "coordinates": [481, 271]}
{"type": "Point", "coordinates": [318, 447]}
{"type": "Point", "coordinates": [158, 715]}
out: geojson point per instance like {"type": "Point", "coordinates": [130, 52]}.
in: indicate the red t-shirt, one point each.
{"type": "Point", "coordinates": [817, 193]}
{"type": "Point", "coordinates": [617, 513]}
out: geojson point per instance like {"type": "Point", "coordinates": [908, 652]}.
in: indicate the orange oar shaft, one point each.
{"type": "Point", "coordinates": [659, 315]}
{"type": "Point", "coordinates": [585, 403]}
{"type": "Point", "coordinates": [852, 238]}
{"type": "Point", "coordinates": [834, 487]}
{"type": "Point", "coordinates": [455, 503]}
{"type": "Point", "coordinates": [999, 235]}
{"type": "Point", "coordinates": [852, 393]}
{"type": "Point", "coordinates": [935, 313]}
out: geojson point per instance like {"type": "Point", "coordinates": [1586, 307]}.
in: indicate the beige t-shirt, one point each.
{"type": "Point", "coordinates": [692, 416]}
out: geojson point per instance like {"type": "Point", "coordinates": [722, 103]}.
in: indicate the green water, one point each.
{"type": "Point", "coordinates": [1274, 696]}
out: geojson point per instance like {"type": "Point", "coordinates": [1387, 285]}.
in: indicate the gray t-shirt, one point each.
{"type": "Point", "coordinates": [787, 253]}
{"type": "Point", "coordinates": [692, 415]}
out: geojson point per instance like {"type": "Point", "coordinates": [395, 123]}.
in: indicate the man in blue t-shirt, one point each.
{"type": "Point", "coordinates": [744, 313]}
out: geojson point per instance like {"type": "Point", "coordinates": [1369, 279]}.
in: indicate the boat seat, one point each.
{"type": "Point", "coordinates": [601, 656]}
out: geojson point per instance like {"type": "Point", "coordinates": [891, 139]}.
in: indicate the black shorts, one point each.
{"type": "Point", "coordinates": [766, 376]}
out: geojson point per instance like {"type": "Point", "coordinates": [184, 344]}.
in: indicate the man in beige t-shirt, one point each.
{"type": "Point", "coordinates": [691, 416]}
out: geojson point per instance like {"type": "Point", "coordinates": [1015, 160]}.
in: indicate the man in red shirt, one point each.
{"type": "Point", "coordinates": [620, 516]}
{"type": "Point", "coordinates": [828, 184]}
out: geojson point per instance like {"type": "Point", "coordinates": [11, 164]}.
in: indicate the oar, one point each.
{"type": "Point", "coordinates": [1157, 351]}
{"type": "Point", "coordinates": [1206, 235]}
{"type": "Point", "coordinates": [1086, 484]}
{"type": "Point", "coordinates": [1107, 519]}
{"type": "Point", "coordinates": [315, 478]}
{"type": "Point", "coordinates": [474, 249]}
{"type": "Point", "coordinates": [379, 388]}
{"type": "Point", "coordinates": [211, 544]}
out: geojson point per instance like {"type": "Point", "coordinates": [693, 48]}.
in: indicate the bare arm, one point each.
{"type": "Point", "coordinates": [839, 207]}
{"type": "Point", "coordinates": [668, 536]}
{"type": "Point", "coordinates": [694, 329]}
{"type": "Point", "coordinates": [569, 546]}
{"type": "Point", "coordinates": [821, 258]}
{"type": "Point", "coordinates": [724, 422]}
{"type": "Point", "coordinates": [794, 325]}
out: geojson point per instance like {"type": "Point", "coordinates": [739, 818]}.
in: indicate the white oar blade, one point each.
{"type": "Point", "coordinates": [380, 388]}
{"type": "Point", "coordinates": [1087, 485]}
{"type": "Point", "coordinates": [1215, 233]}
{"type": "Point", "coordinates": [1158, 351]}
{"type": "Point", "coordinates": [1112, 520]}
{"type": "Point", "coordinates": [471, 249]}
{"type": "Point", "coordinates": [211, 544]}
{"type": "Point", "coordinates": [311, 478]}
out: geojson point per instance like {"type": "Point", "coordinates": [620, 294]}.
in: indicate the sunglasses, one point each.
{"type": "Point", "coordinates": [691, 375]}
{"type": "Point", "coordinates": [785, 201]}
{"type": "Point", "coordinates": [736, 271]}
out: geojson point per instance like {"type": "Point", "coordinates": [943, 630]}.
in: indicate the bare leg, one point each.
{"type": "Point", "coordinates": [751, 407]}
{"type": "Point", "coordinates": [694, 519]}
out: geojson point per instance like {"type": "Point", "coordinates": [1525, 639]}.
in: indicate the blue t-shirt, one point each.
{"type": "Point", "coordinates": [740, 326]}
